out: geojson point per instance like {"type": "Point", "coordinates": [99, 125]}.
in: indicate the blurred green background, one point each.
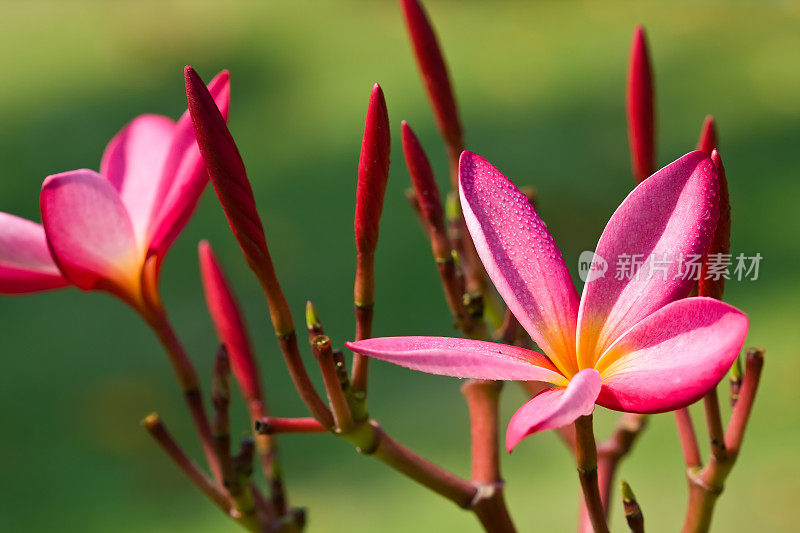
{"type": "Point", "coordinates": [541, 88]}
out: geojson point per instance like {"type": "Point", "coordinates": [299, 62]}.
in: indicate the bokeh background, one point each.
{"type": "Point", "coordinates": [541, 88]}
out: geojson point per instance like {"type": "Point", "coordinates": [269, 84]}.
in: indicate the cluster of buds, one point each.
{"type": "Point", "coordinates": [110, 231]}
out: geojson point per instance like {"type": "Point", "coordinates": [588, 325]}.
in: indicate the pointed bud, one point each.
{"type": "Point", "coordinates": [313, 322]}
{"type": "Point", "coordinates": [437, 82]}
{"type": "Point", "coordinates": [419, 168]}
{"type": "Point", "coordinates": [633, 513]}
{"type": "Point", "coordinates": [736, 369]}
{"type": "Point", "coordinates": [229, 324]}
{"type": "Point", "coordinates": [226, 170]}
{"type": "Point", "coordinates": [452, 207]}
{"type": "Point", "coordinates": [736, 381]}
{"type": "Point", "coordinates": [641, 130]}
{"type": "Point", "coordinates": [708, 136]}
{"type": "Point", "coordinates": [721, 242]}
{"type": "Point", "coordinates": [373, 172]}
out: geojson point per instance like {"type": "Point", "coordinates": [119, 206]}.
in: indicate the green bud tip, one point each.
{"type": "Point", "coordinates": [312, 318]}
{"type": "Point", "coordinates": [452, 207]}
{"type": "Point", "coordinates": [736, 369]}
{"type": "Point", "coordinates": [627, 493]}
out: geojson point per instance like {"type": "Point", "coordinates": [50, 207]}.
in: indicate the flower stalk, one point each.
{"type": "Point", "coordinates": [373, 172]}
{"type": "Point", "coordinates": [228, 175]}
{"type": "Point", "coordinates": [707, 482]}
{"type": "Point", "coordinates": [586, 459]}
{"type": "Point", "coordinates": [190, 386]}
{"type": "Point", "coordinates": [270, 425]}
{"type": "Point", "coordinates": [155, 427]}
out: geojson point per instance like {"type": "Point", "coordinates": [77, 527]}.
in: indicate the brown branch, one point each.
{"type": "Point", "coordinates": [716, 434]}
{"type": "Point", "coordinates": [586, 459]}
{"type": "Point", "coordinates": [297, 370]}
{"type": "Point", "coordinates": [190, 385]}
{"type": "Point", "coordinates": [611, 451]}
{"type": "Point", "coordinates": [370, 439]}
{"type": "Point", "coordinates": [688, 438]}
{"type": "Point", "coordinates": [269, 425]}
{"type": "Point", "coordinates": [321, 347]}
{"type": "Point", "coordinates": [221, 424]}
{"type": "Point", "coordinates": [153, 424]}
{"type": "Point", "coordinates": [706, 483]}
{"type": "Point", "coordinates": [482, 400]}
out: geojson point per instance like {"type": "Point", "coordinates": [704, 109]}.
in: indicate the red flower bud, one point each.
{"type": "Point", "coordinates": [641, 131]}
{"type": "Point", "coordinates": [229, 323]}
{"type": "Point", "coordinates": [422, 178]}
{"type": "Point", "coordinates": [437, 82]}
{"type": "Point", "coordinates": [227, 173]}
{"type": "Point", "coordinates": [373, 171]}
{"type": "Point", "coordinates": [708, 136]}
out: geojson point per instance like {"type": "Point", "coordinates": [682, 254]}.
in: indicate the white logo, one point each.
{"type": "Point", "coordinates": [591, 266]}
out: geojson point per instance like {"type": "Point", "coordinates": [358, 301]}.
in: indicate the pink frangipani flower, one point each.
{"type": "Point", "coordinates": [632, 343]}
{"type": "Point", "coordinates": [111, 230]}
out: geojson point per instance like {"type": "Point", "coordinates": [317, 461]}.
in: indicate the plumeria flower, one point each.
{"type": "Point", "coordinates": [111, 230]}
{"type": "Point", "coordinates": [629, 343]}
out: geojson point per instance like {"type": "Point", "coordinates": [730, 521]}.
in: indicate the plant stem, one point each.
{"type": "Point", "coordinates": [190, 385]}
{"type": "Point", "coordinates": [706, 483]}
{"type": "Point", "coordinates": [714, 423]}
{"type": "Point", "coordinates": [364, 307]}
{"type": "Point", "coordinates": [586, 458]}
{"type": "Point", "coordinates": [489, 505]}
{"type": "Point", "coordinates": [297, 370]}
{"type": "Point", "coordinates": [269, 425]}
{"type": "Point", "coordinates": [688, 438]}
{"type": "Point", "coordinates": [609, 454]}
{"type": "Point", "coordinates": [321, 347]}
{"type": "Point", "coordinates": [370, 439]}
{"type": "Point", "coordinates": [270, 464]}
{"type": "Point", "coordinates": [153, 424]}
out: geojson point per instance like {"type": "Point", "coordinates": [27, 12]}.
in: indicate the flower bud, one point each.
{"type": "Point", "coordinates": [373, 172]}
{"type": "Point", "coordinates": [227, 173]}
{"type": "Point", "coordinates": [641, 131]}
{"type": "Point", "coordinates": [430, 203]}
{"type": "Point", "coordinates": [437, 82]}
{"type": "Point", "coordinates": [708, 135]}
{"type": "Point", "coordinates": [229, 324]}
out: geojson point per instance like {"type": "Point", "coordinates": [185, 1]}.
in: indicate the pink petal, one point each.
{"type": "Point", "coordinates": [25, 262]}
{"type": "Point", "coordinates": [461, 358]}
{"type": "Point", "coordinates": [669, 216]}
{"type": "Point", "coordinates": [554, 408]}
{"type": "Point", "coordinates": [133, 163]}
{"type": "Point", "coordinates": [88, 230]}
{"type": "Point", "coordinates": [184, 175]}
{"type": "Point", "coordinates": [673, 357]}
{"type": "Point", "coordinates": [521, 258]}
